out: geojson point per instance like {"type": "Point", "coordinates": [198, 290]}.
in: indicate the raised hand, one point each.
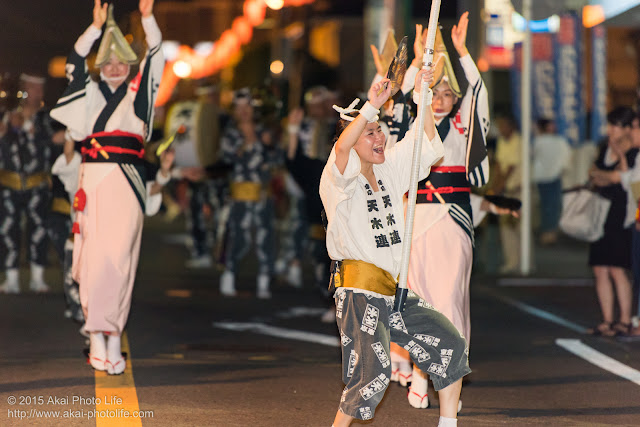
{"type": "Point", "coordinates": [459, 35]}
{"type": "Point", "coordinates": [146, 8]}
{"type": "Point", "coordinates": [166, 161]}
{"type": "Point", "coordinates": [425, 74]}
{"type": "Point", "coordinates": [99, 13]}
{"type": "Point", "coordinates": [295, 117]}
{"type": "Point", "coordinates": [379, 93]}
{"type": "Point", "coordinates": [418, 46]}
{"type": "Point", "coordinates": [378, 61]}
{"type": "Point", "coordinates": [192, 174]}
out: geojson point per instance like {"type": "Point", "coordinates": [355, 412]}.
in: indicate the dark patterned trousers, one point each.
{"type": "Point", "coordinates": [367, 324]}
{"type": "Point", "coordinates": [34, 205]}
{"type": "Point", "coordinates": [197, 224]}
{"type": "Point", "coordinates": [246, 221]}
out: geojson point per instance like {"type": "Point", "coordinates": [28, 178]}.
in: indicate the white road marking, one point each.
{"type": "Point", "coordinates": [532, 281]}
{"type": "Point", "coordinates": [600, 360]}
{"type": "Point", "coordinates": [572, 345]}
{"type": "Point", "coordinates": [275, 331]}
{"type": "Point", "coordinates": [301, 312]}
{"type": "Point", "coordinates": [545, 315]}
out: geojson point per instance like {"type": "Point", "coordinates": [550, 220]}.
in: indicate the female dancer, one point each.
{"type": "Point", "coordinates": [113, 121]}
{"type": "Point", "coordinates": [362, 187]}
{"type": "Point", "coordinates": [443, 212]}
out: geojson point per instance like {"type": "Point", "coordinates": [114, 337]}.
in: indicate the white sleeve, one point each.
{"type": "Point", "coordinates": [149, 75]}
{"type": "Point", "coordinates": [153, 203]}
{"type": "Point", "coordinates": [86, 40]}
{"type": "Point", "coordinates": [152, 31]}
{"type": "Point", "coordinates": [631, 176]}
{"type": "Point", "coordinates": [409, 79]}
{"type": "Point", "coordinates": [476, 211]}
{"type": "Point", "coordinates": [474, 115]}
{"type": "Point", "coordinates": [68, 172]}
{"type": "Point", "coordinates": [336, 187]}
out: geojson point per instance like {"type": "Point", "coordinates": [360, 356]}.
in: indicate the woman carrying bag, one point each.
{"type": "Point", "coordinates": [610, 256]}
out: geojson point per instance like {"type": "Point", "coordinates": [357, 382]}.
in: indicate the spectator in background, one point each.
{"type": "Point", "coordinates": [610, 256]}
{"type": "Point", "coordinates": [508, 183]}
{"type": "Point", "coordinates": [550, 157]}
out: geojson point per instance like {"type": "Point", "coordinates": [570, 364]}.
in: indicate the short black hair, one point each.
{"type": "Point", "coordinates": [543, 123]}
{"type": "Point", "coordinates": [621, 116]}
{"type": "Point", "coordinates": [342, 125]}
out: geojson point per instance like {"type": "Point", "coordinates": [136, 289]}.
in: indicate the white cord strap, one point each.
{"type": "Point", "coordinates": [428, 99]}
{"type": "Point", "coordinates": [368, 111]}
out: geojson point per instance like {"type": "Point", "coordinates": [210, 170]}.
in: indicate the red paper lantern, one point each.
{"type": "Point", "coordinates": [254, 11]}
{"type": "Point", "coordinates": [242, 28]}
{"type": "Point", "coordinates": [231, 40]}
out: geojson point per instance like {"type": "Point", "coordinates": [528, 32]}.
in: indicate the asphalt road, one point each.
{"type": "Point", "coordinates": [202, 360]}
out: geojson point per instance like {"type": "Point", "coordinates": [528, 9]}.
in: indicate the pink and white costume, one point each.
{"type": "Point", "coordinates": [112, 175]}
{"type": "Point", "coordinates": [441, 253]}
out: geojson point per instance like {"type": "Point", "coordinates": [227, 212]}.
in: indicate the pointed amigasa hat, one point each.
{"type": "Point", "coordinates": [114, 42]}
{"type": "Point", "coordinates": [444, 69]}
{"type": "Point", "coordinates": [388, 50]}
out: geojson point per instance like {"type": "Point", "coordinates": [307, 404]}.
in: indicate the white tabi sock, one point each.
{"type": "Point", "coordinates": [418, 391]}
{"type": "Point", "coordinates": [448, 422]}
{"type": "Point", "coordinates": [294, 276]}
{"type": "Point", "coordinates": [263, 286]}
{"type": "Point", "coordinates": [227, 284]}
{"type": "Point", "coordinates": [116, 363]}
{"type": "Point", "coordinates": [97, 351]}
{"type": "Point", "coordinates": [37, 283]}
{"type": "Point", "coordinates": [405, 375]}
{"type": "Point", "coordinates": [396, 360]}
{"type": "Point", "coordinates": [12, 284]}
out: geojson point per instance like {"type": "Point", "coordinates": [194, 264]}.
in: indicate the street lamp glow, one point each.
{"type": "Point", "coordinates": [276, 67]}
{"type": "Point", "coordinates": [275, 4]}
{"type": "Point", "coordinates": [182, 69]}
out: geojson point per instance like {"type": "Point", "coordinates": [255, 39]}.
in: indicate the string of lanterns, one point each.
{"type": "Point", "coordinates": [190, 64]}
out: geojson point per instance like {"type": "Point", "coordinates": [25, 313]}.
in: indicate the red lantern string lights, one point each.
{"type": "Point", "coordinates": [229, 43]}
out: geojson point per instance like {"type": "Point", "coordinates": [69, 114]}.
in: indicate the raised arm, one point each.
{"type": "Point", "coordinates": [70, 109]}
{"type": "Point", "coordinates": [151, 67]}
{"type": "Point", "coordinates": [474, 108]}
{"type": "Point", "coordinates": [293, 128]}
{"type": "Point", "coordinates": [426, 75]}
{"type": "Point", "coordinates": [416, 63]}
{"type": "Point", "coordinates": [352, 132]}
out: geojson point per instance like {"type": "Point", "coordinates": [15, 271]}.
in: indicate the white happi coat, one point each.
{"type": "Point", "coordinates": [345, 199]}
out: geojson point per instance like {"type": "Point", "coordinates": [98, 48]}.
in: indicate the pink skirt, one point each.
{"type": "Point", "coordinates": [106, 252]}
{"type": "Point", "coordinates": [440, 268]}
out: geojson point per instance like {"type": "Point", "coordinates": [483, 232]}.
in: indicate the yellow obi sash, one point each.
{"type": "Point", "coordinates": [362, 275]}
{"type": "Point", "coordinates": [246, 191]}
{"type": "Point", "coordinates": [61, 205]}
{"type": "Point", "coordinates": [18, 182]}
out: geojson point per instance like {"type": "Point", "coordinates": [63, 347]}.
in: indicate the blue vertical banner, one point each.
{"type": "Point", "coordinates": [570, 118]}
{"type": "Point", "coordinates": [516, 81]}
{"type": "Point", "coordinates": [598, 83]}
{"type": "Point", "coordinates": [543, 79]}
